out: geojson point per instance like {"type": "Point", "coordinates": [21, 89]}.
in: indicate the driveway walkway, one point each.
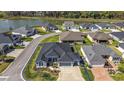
{"type": "Point", "coordinates": [70, 74]}
{"type": "Point", "coordinates": [101, 74]}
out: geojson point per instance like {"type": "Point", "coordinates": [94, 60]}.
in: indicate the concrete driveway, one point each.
{"type": "Point", "coordinates": [101, 74]}
{"type": "Point", "coordinates": [15, 53]}
{"type": "Point", "coordinates": [70, 74]}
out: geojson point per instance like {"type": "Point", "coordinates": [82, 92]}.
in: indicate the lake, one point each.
{"type": "Point", "coordinates": [5, 25]}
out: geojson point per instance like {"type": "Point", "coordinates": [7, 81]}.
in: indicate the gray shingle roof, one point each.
{"type": "Point", "coordinates": [71, 36]}
{"type": "Point", "coordinates": [5, 39]}
{"type": "Point", "coordinates": [62, 51]}
{"type": "Point", "coordinates": [100, 36]}
{"type": "Point", "coordinates": [96, 52]}
{"type": "Point", "coordinates": [119, 35]}
{"type": "Point", "coordinates": [68, 23]}
{"type": "Point", "coordinates": [121, 45]}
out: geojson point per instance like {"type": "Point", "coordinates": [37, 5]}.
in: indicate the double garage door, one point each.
{"type": "Point", "coordinates": [65, 64]}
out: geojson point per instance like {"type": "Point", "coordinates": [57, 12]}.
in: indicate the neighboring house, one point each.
{"type": "Point", "coordinates": [49, 27]}
{"type": "Point", "coordinates": [99, 37]}
{"type": "Point", "coordinates": [3, 49]}
{"type": "Point", "coordinates": [120, 25]}
{"type": "Point", "coordinates": [91, 27]}
{"type": "Point", "coordinates": [121, 48]}
{"type": "Point", "coordinates": [70, 26]}
{"type": "Point", "coordinates": [118, 36]}
{"type": "Point", "coordinates": [60, 53]}
{"type": "Point", "coordinates": [16, 38]}
{"type": "Point", "coordinates": [99, 55]}
{"type": "Point", "coordinates": [5, 40]}
{"type": "Point", "coordinates": [71, 37]}
{"type": "Point", "coordinates": [24, 31]}
{"type": "Point", "coordinates": [106, 26]}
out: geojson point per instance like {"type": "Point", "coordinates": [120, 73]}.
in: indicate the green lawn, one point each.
{"type": "Point", "coordinates": [27, 39]}
{"type": "Point", "coordinates": [3, 66]}
{"type": "Point", "coordinates": [115, 49]}
{"type": "Point", "coordinates": [19, 47]}
{"type": "Point", "coordinates": [77, 48]}
{"type": "Point", "coordinates": [105, 30]}
{"type": "Point", "coordinates": [89, 73]}
{"type": "Point", "coordinates": [118, 76]}
{"type": "Point", "coordinates": [87, 41]}
{"type": "Point", "coordinates": [51, 39]}
{"type": "Point", "coordinates": [30, 73]}
{"type": "Point", "coordinates": [115, 43]}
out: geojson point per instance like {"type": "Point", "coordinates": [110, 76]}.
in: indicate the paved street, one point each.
{"type": "Point", "coordinates": [13, 73]}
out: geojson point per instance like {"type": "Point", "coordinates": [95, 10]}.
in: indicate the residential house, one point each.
{"type": "Point", "coordinates": [60, 53]}
{"type": "Point", "coordinates": [71, 37]}
{"type": "Point", "coordinates": [88, 26]}
{"type": "Point", "coordinates": [49, 27]}
{"type": "Point", "coordinates": [120, 25]}
{"type": "Point", "coordinates": [5, 40]}
{"type": "Point", "coordinates": [16, 38]}
{"type": "Point", "coordinates": [24, 31]}
{"type": "Point", "coordinates": [99, 37]}
{"type": "Point", "coordinates": [118, 36]}
{"type": "Point", "coordinates": [70, 26]}
{"type": "Point", "coordinates": [121, 48]}
{"type": "Point", "coordinates": [100, 55]}
{"type": "Point", "coordinates": [105, 26]}
{"type": "Point", "coordinates": [3, 49]}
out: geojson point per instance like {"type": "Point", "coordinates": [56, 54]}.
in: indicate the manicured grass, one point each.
{"type": "Point", "coordinates": [84, 75]}
{"type": "Point", "coordinates": [51, 39]}
{"type": "Point", "coordinates": [31, 73]}
{"type": "Point", "coordinates": [19, 47]}
{"type": "Point", "coordinates": [115, 49]}
{"type": "Point", "coordinates": [87, 41]}
{"type": "Point", "coordinates": [27, 39]}
{"type": "Point", "coordinates": [41, 31]}
{"type": "Point", "coordinates": [105, 30]}
{"type": "Point", "coordinates": [3, 66]}
{"type": "Point", "coordinates": [77, 48]}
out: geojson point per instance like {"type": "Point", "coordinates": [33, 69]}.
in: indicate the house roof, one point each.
{"type": "Point", "coordinates": [71, 36]}
{"type": "Point", "coordinates": [68, 23]}
{"type": "Point", "coordinates": [119, 35]}
{"type": "Point", "coordinates": [96, 52]}
{"type": "Point", "coordinates": [5, 39]}
{"type": "Point", "coordinates": [61, 50]}
{"type": "Point", "coordinates": [121, 45]}
{"type": "Point", "coordinates": [120, 24]}
{"type": "Point", "coordinates": [105, 25]}
{"type": "Point", "coordinates": [100, 36]}
{"type": "Point", "coordinates": [23, 30]}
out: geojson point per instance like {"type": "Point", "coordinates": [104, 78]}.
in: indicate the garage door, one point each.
{"type": "Point", "coordinates": [65, 64]}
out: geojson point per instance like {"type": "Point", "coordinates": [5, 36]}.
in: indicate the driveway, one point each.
{"type": "Point", "coordinates": [70, 74]}
{"type": "Point", "coordinates": [15, 53]}
{"type": "Point", "coordinates": [101, 74]}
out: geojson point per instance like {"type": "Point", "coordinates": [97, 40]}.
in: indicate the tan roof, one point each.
{"type": "Point", "coordinates": [71, 36]}
{"type": "Point", "coordinates": [100, 36]}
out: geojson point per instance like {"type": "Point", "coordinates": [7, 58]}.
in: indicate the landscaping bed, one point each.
{"type": "Point", "coordinates": [87, 74]}
{"type": "Point", "coordinates": [43, 74]}
{"type": "Point", "coordinates": [27, 39]}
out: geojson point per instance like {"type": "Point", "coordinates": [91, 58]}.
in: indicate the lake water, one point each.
{"type": "Point", "coordinates": [5, 25]}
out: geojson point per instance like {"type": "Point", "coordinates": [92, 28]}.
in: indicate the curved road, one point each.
{"type": "Point", "coordinates": [14, 71]}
